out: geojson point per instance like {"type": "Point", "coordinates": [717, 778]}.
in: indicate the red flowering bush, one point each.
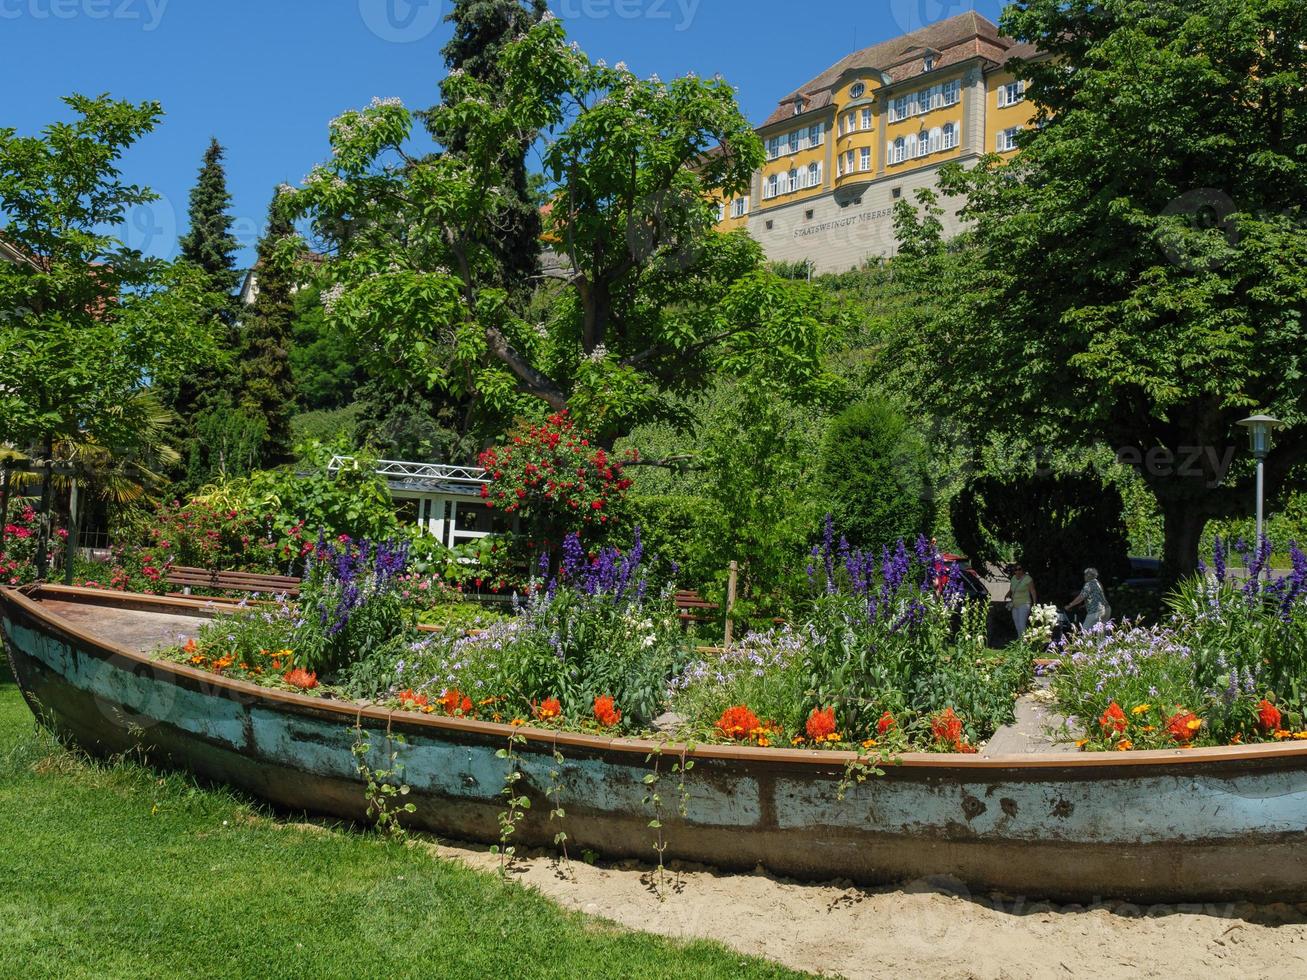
{"type": "Point", "coordinates": [18, 557]}
{"type": "Point", "coordinates": [302, 679]}
{"type": "Point", "coordinates": [605, 713]}
{"type": "Point", "coordinates": [886, 724]}
{"type": "Point", "coordinates": [555, 478]}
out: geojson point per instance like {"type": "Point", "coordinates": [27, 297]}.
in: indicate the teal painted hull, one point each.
{"type": "Point", "coordinates": [1199, 825]}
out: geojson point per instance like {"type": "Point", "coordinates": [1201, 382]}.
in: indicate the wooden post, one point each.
{"type": "Point", "coordinates": [730, 600]}
{"type": "Point", "coordinates": [4, 506]}
{"type": "Point", "coordinates": [74, 521]}
{"type": "Point", "coordinates": [43, 527]}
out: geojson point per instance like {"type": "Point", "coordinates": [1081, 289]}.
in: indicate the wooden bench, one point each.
{"type": "Point", "coordinates": [694, 608]}
{"type": "Point", "coordinates": [248, 583]}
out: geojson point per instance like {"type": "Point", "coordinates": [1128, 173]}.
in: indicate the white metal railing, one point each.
{"type": "Point", "coordinates": [435, 474]}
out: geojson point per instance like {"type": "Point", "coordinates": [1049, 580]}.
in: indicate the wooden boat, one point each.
{"type": "Point", "coordinates": [1195, 825]}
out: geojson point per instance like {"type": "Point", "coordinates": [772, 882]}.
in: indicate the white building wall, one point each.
{"type": "Point", "coordinates": [839, 238]}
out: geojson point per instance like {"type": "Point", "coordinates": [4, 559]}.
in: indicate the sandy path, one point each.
{"type": "Point", "coordinates": [927, 929]}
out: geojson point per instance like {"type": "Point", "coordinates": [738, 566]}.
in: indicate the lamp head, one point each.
{"type": "Point", "coordinates": [1261, 429]}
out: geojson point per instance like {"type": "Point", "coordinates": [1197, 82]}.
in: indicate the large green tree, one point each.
{"type": "Point", "coordinates": [267, 387]}
{"type": "Point", "coordinates": [1137, 277]}
{"type": "Point", "coordinates": [654, 296]}
{"type": "Point", "coordinates": [87, 325]}
{"type": "Point", "coordinates": [482, 30]}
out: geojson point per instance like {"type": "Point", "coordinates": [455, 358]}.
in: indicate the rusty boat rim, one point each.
{"type": "Point", "coordinates": [354, 712]}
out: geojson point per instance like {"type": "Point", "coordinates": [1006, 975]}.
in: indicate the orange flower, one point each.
{"type": "Point", "coordinates": [821, 724]}
{"type": "Point", "coordinates": [605, 712]}
{"type": "Point", "coordinates": [1268, 717]}
{"type": "Point", "coordinates": [455, 703]}
{"type": "Point", "coordinates": [946, 727]}
{"type": "Point", "coordinates": [886, 723]}
{"type": "Point", "coordinates": [738, 723]}
{"type": "Point", "coordinates": [191, 646]}
{"type": "Point", "coordinates": [223, 663]}
{"type": "Point", "coordinates": [1125, 745]}
{"type": "Point", "coordinates": [410, 699]}
{"type": "Point", "coordinates": [547, 709]}
{"type": "Point", "coordinates": [302, 679]}
{"type": "Point", "coordinates": [1183, 726]}
{"type": "Point", "coordinates": [1113, 720]}
{"type": "Point", "coordinates": [199, 659]}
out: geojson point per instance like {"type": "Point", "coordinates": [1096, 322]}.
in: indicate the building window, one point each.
{"type": "Point", "coordinates": [1011, 94]}
{"type": "Point", "coordinates": [798, 107]}
{"type": "Point", "coordinates": [721, 210]}
{"type": "Point", "coordinates": [928, 63]}
{"type": "Point", "coordinates": [772, 187]}
{"type": "Point", "coordinates": [794, 141]}
{"type": "Point", "coordinates": [953, 92]}
{"type": "Point", "coordinates": [898, 150]}
{"type": "Point", "coordinates": [1007, 140]}
{"type": "Point", "coordinates": [814, 175]}
{"type": "Point", "coordinates": [865, 162]}
{"type": "Point", "coordinates": [771, 225]}
{"type": "Point", "coordinates": [857, 91]}
{"type": "Point", "coordinates": [807, 215]}
{"type": "Point", "coordinates": [739, 207]}
{"type": "Point", "coordinates": [815, 134]}
{"type": "Point", "coordinates": [896, 193]}
{"type": "Point", "coordinates": [773, 147]}
{"type": "Point", "coordinates": [949, 138]}
{"type": "Point", "coordinates": [794, 180]}
{"type": "Point", "coordinates": [866, 119]}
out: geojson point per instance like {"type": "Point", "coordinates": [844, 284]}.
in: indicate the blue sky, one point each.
{"type": "Point", "coordinates": [266, 76]}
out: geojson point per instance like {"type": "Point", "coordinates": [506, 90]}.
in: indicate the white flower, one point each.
{"type": "Point", "coordinates": [598, 354]}
{"type": "Point", "coordinates": [548, 16]}
{"type": "Point", "coordinates": [331, 296]}
{"type": "Point", "coordinates": [620, 66]}
{"type": "Point", "coordinates": [380, 103]}
{"type": "Point", "coordinates": [283, 189]}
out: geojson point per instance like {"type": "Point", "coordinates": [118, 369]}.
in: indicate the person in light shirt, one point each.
{"type": "Point", "coordinates": [1022, 594]}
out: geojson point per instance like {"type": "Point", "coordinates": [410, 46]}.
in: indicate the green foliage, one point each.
{"type": "Point", "coordinates": [658, 300]}
{"type": "Point", "coordinates": [409, 422]}
{"type": "Point", "coordinates": [1137, 279]}
{"type": "Point", "coordinates": [323, 363]}
{"type": "Point", "coordinates": [226, 443]}
{"type": "Point", "coordinates": [85, 322]}
{"type": "Point", "coordinates": [875, 475]}
{"type": "Point", "coordinates": [332, 427]}
{"type": "Point", "coordinates": [266, 388]}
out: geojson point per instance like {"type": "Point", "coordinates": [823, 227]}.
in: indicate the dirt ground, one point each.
{"type": "Point", "coordinates": [930, 928]}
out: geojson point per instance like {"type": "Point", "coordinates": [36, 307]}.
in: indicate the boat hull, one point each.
{"type": "Point", "coordinates": [1207, 825]}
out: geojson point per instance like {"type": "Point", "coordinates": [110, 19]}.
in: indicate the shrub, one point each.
{"type": "Point", "coordinates": [875, 475]}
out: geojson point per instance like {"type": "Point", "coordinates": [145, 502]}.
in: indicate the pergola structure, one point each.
{"type": "Point", "coordinates": [442, 500]}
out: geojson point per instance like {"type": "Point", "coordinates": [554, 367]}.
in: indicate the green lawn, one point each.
{"type": "Point", "coordinates": [119, 871]}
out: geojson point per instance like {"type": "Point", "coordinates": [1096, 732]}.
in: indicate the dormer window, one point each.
{"type": "Point", "coordinates": [798, 107]}
{"type": "Point", "coordinates": [857, 91]}
{"type": "Point", "coordinates": [928, 63]}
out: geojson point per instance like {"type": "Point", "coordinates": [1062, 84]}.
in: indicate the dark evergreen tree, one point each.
{"type": "Point", "coordinates": [209, 243]}
{"type": "Point", "coordinates": [203, 399]}
{"type": "Point", "coordinates": [267, 387]}
{"type": "Point", "coordinates": [481, 30]}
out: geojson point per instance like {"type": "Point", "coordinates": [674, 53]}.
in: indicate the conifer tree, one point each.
{"type": "Point", "coordinates": [267, 387]}
{"type": "Point", "coordinates": [481, 30]}
{"type": "Point", "coordinates": [209, 243]}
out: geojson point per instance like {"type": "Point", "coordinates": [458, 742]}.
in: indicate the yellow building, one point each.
{"type": "Point", "coordinates": [869, 131]}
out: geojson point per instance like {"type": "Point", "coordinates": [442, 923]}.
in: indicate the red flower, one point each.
{"type": "Point", "coordinates": [455, 703]}
{"type": "Point", "coordinates": [301, 678]}
{"type": "Point", "coordinates": [1268, 717]}
{"type": "Point", "coordinates": [738, 723]}
{"type": "Point", "coordinates": [1183, 726]}
{"type": "Point", "coordinates": [547, 709]}
{"type": "Point", "coordinates": [946, 727]}
{"type": "Point", "coordinates": [409, 699]}
{"type": "Point", "coordinates": [1113, 720]}
{"type": "Point", "coordinates": [821, 724]}
{"type": "Point", "coordinates": [886, 723]}
{"type": "Point", "coordinates": [605, 713]}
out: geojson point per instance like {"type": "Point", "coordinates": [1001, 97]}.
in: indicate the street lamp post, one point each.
{"type": "Point", "coordinates": [1261, 432]}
